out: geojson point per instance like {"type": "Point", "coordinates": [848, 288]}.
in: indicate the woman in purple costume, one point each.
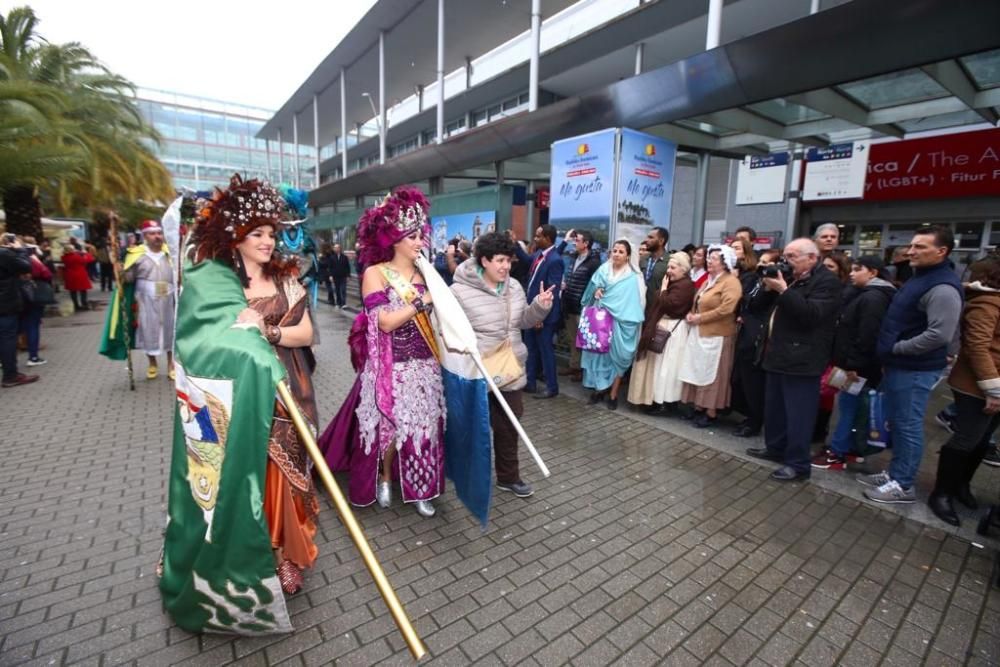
{"type": "Point", "coordinates": [391, 426]}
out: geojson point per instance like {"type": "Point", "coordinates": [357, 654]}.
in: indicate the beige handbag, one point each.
{"type": "Point", "coordinates": [502, 365]}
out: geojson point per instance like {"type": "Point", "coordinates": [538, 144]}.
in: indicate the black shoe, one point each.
{"type": "Point", "coordinates": [943, 509]}
{"type": "Point", "coordinates": [612, 403]}
{"type": "Point", "coordinates": [788, 474]}
{"type": "Point", "coordinates": [746, 431]}
{"type": "Point", "coordinates": [518, 488]}
{"type": "Point", "coordinates": [964, 496]}
{"type": "Point", "coordinates": [654, 409]}
{"type": "Point", "coordinates": [546, 394]}
{"type": "Point", "coordinates": [703, 421]}
{"type": "Point", "coordinates": [529, 389]}
{"type": "Point", "coordinates": [595, 398]}
{"type": "Point", "coordinates": [764, 453]}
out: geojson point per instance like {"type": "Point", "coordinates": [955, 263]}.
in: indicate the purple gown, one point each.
{"type": "Point", "coordinates": [397, 400]}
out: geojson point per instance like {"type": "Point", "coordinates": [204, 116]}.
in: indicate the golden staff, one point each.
{"type": "Point", "coordinates": [416, 646]}
{"type": "Point", "coordinates": [116, 265]}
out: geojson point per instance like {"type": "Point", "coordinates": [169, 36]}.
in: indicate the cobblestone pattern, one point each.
{"type": "Point", "coordinates": [642, 548]}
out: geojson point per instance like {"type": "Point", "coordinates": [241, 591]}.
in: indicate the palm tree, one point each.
{"type": "Point", "coordinates": [87, 142]}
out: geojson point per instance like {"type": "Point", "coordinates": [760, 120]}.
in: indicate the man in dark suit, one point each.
{"type": "Point", "coordinates": [545, 269]}
{"type": "Point", "coordinates": [337, 269]}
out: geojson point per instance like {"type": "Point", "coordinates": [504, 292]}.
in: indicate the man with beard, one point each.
{"type": "Point", "coordinates": [148, 266]}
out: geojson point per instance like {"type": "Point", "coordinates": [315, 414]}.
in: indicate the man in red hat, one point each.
{"type": "Point", "coordinates": [148, 266]}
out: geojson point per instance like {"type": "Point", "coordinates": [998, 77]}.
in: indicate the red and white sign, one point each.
{"type": "Point", "coordinates": [948, 166]}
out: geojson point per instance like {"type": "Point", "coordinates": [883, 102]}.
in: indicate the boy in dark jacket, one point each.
{"type": "Point", "coordinates": [14, 263]}
{"type": "Point", "coordinates": [854, 352]}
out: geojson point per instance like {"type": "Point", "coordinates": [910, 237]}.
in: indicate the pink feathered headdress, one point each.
{"type": "Point", "coordinates": [384, 225]}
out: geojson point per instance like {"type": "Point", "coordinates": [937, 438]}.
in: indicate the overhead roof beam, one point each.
{"type": "Point", "coordinates": [744, 121]}
{"type": "Point", "coordinates": [953, 78]}
{"type": "Point", "coordinates": [915, 110]}
{"type": "Point", "coordinates": [832, 103]}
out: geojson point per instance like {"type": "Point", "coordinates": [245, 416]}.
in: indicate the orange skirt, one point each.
{"type": "Point", "coordinates": [291, 529]}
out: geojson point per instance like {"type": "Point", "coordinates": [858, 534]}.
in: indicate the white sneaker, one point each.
{"type": "Point", "coordinates": [37, 361]}
{"type": "Point", "coordinates": [874, 481]}
{"type": "Point", "coordinates": [891, 493]}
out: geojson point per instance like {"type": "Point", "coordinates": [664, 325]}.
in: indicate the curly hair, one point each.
{"type": "Point", "coordinates": [492, 244]}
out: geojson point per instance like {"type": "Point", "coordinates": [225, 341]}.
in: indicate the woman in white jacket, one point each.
{"type": "Point", "coordinates": [498, 311]}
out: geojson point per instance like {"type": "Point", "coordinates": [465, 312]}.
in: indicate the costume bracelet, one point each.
{"type": "Point", "coordinates": [419, 304]}
{"type": "Point", "coordinates": [273, 335]}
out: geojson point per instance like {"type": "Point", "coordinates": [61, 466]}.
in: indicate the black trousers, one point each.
{"type": "Point", "coordinates": [790, 407]}
{"type": "Point", "coordinates": [973, 427]}
{"type": "Point", "coordinates": [749, 385]}
{"type": "Point", "coordinates": [505, 436]}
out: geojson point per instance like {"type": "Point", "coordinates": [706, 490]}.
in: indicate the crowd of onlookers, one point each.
{"type": "Point", "coordinates": [786, 338]}
{"type": "Point", "coordinates": [31, 275]}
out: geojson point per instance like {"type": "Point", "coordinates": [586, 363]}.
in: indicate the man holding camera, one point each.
{"type": "Point", "coordinates": [796, 352]}
{"type": "Point", "coordinates": [14, 263]}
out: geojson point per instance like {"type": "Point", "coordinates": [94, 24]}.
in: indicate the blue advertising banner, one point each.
{"type": "Point", "coordinates": [645, 186]}
{"type": "Point", "coordinates": [463, 226]}
{"type": "Point", "coordinates": [583, 183]}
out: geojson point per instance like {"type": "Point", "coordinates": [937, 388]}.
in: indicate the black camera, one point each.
{"type": "Point", "coordinates": [772, 270]}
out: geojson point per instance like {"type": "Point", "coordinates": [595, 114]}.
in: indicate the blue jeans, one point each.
{"type": "Point", "coordinates": [842, 441]}
{"type": "Point", "coordinates": [31, 325]}
{"type": "Point", "coordinates": [541, 352]}
{"type": "Point", "coordinates": [906, 396]}
{"type": "Point", "coordinates": [8, 346]}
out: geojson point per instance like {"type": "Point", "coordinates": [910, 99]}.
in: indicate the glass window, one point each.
{"type": "Point", "coordinates": [478, 118]}
{"type": "Point", "coordinates": [968, 235]}
{"type": "Point", "coordinates": [890, 90]}
{"type": "Point", "coordinates": [870, 236]}
{"type": "Point", "coordinates": [701, 126]}
{"type": "Point", "coordinates": [786, 112]}
{"type": "Point", "coordinates": [984, 68]}
{"type": "Point", "coordinates": [995, 234]}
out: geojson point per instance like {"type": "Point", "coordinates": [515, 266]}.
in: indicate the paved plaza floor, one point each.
{"type": "Point", "coordinates": [647, 545]}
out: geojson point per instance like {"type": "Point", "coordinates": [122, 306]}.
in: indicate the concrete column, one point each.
{"type": "Point", "coordinates": [639, 49]}
{"type": "Point", "coordinates": [440, 73]}
{"type": "Point", "coordinates": [267, 156]}
{"type": "Point", "coordinates": [813, 6]}
{"type": "Point", "coordinates": [529, 208]}
{"type": "Point", "coordinates": [468, 73]}
{"type": "Point", "coordinates": [420, 98]}
{"type": "Point", "coordinates": [383, 130]}
{"type": "Point", "coordinates": [295, 149]}
{"type": "Point", "coordinates": [535, 41]}
{"type": "Point", "coordinates": [700, 200]}
{"type": "Point", "coordinates": [794, 195]}
{"type": "Point", "coordinates": [316, 137]}
{"type": "Point", "coordinates": [714, 33]}
{"type": "Point", "coordinates": [343, 123]}
{"type": "Point", "coordinates": [281, 158]}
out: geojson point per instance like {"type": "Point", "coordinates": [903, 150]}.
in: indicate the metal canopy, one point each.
{"type": "Point", "coordinates": [885, 67]}
{"type": "Point", "coordinates": [471, 29]}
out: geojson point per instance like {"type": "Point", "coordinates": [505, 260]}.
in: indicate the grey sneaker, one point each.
{"type": "Point", "coordinates": [890, 493]}
{"type": "Point", "coordinates": [992, 457]}
{"type": "Point", "coordinates": [874, 481]}
{"type": "Point", "coordinates": [518, 488]}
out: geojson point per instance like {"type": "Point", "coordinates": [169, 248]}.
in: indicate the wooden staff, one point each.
{"type": "Point", "coordinates": [116, 264]}
{"type": "Point", "coordinates": [417, 648]}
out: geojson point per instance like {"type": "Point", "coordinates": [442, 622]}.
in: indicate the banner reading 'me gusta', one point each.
{"type": "Point", "coordinates": [617, 183]}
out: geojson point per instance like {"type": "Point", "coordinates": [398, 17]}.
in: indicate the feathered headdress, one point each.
{"type": "Point", "coordinates": [386, 224]}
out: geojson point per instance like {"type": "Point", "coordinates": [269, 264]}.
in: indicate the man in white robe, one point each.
{"type": "Point", "coordinates": [154, 294]}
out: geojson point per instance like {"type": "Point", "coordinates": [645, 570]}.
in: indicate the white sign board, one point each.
{"type": "Point", "coordinates": [836, 172]}
{"type": "Point", "coordinates": [762, 179]}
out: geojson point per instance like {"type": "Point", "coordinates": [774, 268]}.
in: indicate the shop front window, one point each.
{"type": "Point", "coordinates": [969, 235]}
{"type": "Point", "coordinates": [870, 237]}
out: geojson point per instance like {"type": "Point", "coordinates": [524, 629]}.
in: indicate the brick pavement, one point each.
{"type": "Point", "coordinates": [643, 547]}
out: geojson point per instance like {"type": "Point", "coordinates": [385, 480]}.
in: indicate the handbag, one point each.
{"type": "Point", "coordinates": [27, 290]}
{"type": "Point", "coordinates": [660, 338]}
{"type": "Point", "coordinates": [595, 329]}
{"type": "Point", "coordinates": [502, 365]}
{"type": "Point", "coordinates": [44, 294]}
{"type": "Point", "coordinates": [501, 362]}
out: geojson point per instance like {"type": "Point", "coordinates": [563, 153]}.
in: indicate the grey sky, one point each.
{"type": "Point", "coordinates": [250, 52]}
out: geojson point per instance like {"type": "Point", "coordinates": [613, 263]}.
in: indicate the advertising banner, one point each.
{"type": "Point", "coordinates": [762, 179]}
{"type": "Point", "coordinates": [948, 166]}
{"type": "Point", "coordinates": [836, 172]}
{"type": "Point", "coordinates": [645, 186]}
{"type": "Point", "coordinates": [463, 226]}
{"type": "Point", "coordinates": [582, 183]}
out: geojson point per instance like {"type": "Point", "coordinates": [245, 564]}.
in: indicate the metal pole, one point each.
{"type": "Point", "coordinates": [343, 123]}
{"type": "Point", "coordinates": [700, 200]}
{"type": "Point", "coordinates": [529, 209]}
{"type": "Point", "coordinates": [814, 6]}
{"type": "Point", "coordinates": [316, 136]}
{"type": "Point", "coordinates": [417, 648]}
{"type": "Point", "coordinates": [440, 73]}
{"type": "Point", "coordinates": [639, 48]}
{"type": "Point", "coordinates": [794, 195]}
{"type": "Point", "coordinates": [714, 34]}
{"type": "Point", "coordinates": [382, 129]}
{"type": "Point", "coordinates": [281, 158]}
{"type": "Point", "coordinates": [295, 148]}
{"type": "Point", "coordinates": [536, 33]}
